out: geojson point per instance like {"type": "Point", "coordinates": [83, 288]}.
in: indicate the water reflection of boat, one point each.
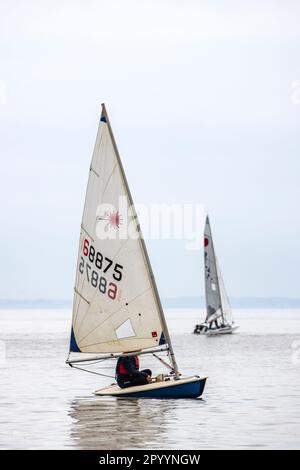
{"type": "Point", "coordinates": [117, 423]}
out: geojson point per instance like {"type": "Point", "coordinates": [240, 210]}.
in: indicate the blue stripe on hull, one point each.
{"type": "Point", "coordinates": [186, 390]}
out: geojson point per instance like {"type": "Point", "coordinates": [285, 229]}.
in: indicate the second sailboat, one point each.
{"type": "Point", "coordinates": [219, 319]}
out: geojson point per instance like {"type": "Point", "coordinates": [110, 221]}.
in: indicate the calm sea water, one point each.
{"type": "Point", "coordinates": [251, 400]}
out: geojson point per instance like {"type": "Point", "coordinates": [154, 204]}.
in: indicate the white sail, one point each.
{"type": "Point", "coordinates": [217, 302]}
{"type": "Point", "coordinates": [116, 305]}
{"type": "Point", "coordinates": [212, 288]}
{"type": "Point", "coordinates": [226, 307]}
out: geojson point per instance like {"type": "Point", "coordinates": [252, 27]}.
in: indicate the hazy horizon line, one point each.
{"type": "Point", "coordinates": [168, 302]}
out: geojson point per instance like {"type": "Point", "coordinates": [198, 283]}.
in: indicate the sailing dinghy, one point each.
{"type": "Point", "coordinates": [117, 309]}
{"type": "Point", "coordinates": [219, 319]}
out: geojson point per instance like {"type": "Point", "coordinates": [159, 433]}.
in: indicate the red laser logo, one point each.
{"type": "Point", "coordinates": [113, 219]}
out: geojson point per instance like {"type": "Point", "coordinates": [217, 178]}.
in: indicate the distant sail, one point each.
{"type": "Point", "coordinates": [116, 306]}
{"type": "Point", "coordinates": [217, 303]}
{"type": "Point", "coordinates": [226, 307]}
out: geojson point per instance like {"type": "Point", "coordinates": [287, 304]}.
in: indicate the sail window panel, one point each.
{"type": "Point", "coordinates": [125, 330]}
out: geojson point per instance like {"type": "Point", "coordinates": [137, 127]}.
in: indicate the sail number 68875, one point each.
{"type": "Point", "coordinates": [97, 260]}
{"type": "Point", "coordinates": [101, 262]}
{"type": "Point", "coordinates": [98, 281]}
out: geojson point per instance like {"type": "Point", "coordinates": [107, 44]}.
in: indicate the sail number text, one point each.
{"type": "Point", "coordinates": [103, 264]}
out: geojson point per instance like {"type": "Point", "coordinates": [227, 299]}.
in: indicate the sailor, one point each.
{"type": "Point", "coordinates": [128, 373]}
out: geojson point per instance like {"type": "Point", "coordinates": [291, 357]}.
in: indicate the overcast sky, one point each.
{"type": "Point", "coordinates": [203, 99]}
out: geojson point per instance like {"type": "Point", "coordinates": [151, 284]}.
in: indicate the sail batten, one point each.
{"type": "Point", "coordinates": [86, 232]}
{"type": "Point", "coordinates": [116, 304]}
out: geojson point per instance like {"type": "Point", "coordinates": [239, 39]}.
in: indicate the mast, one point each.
{"type": "Point", "coordinates": [144, 249]}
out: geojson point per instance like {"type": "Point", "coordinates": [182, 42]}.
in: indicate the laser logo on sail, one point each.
{"type": "Point", "coordinates": [113, 219]}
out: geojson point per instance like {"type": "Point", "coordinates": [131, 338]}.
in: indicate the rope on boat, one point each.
{"type": "Point", "coordinates": [164, 362]}
{"type": "Point", "coordinates": [92, 371]}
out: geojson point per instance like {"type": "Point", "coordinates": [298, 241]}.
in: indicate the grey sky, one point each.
{"type": "Point", "coordinates": [201, 102]}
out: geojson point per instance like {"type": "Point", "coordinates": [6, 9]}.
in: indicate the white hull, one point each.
{"type": "Point", "coordinates": [227, 330]}
{"type": "Point", "coordinates": [203, 330]}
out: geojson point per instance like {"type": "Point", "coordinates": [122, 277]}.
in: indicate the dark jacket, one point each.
{"type": "Point", "coordinates": [127, 366]}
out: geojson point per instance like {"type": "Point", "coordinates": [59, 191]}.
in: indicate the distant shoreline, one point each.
{"type": "Point", "coordinates": [180, 303]}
